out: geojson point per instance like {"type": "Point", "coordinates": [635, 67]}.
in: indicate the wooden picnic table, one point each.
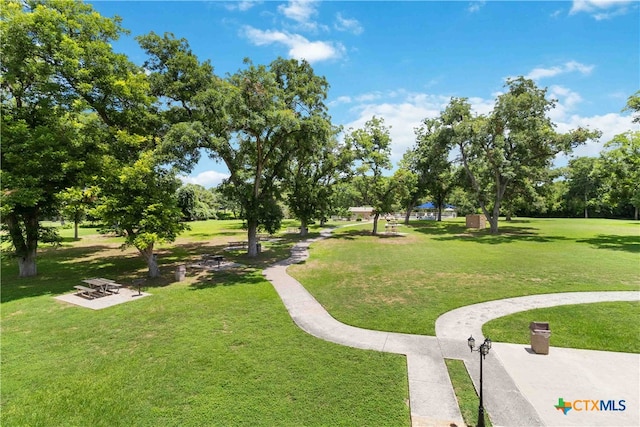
{"type": "Point", "coordinates": [207, 257]}
{"type": "Point", "coordinates": [103, 286]}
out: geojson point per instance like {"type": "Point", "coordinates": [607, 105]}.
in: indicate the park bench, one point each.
{"type": "Point", "coordinates": [206, 259]}
{"type": "Point", "coordinates": [242, 244]}
{"type": "Point", "coordinates": [104, 286]}
{"type": "Point", "coordinates": [88, 292]}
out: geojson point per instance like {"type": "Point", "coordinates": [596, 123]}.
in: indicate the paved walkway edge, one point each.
{"type": "Point", "coordinates": [431, 396]}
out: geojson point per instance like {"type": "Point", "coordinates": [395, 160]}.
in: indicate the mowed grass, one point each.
{"type": "Point", "coordinates": [609, 326]}
{"type": "Point", "coordinates": [220, 348]}
{"type": "Point", "coordinates": [465, 393]}
{"type": "Point", "coordinates": [404, 283]}
{"type": "Point", "coordinates": [217, 349]}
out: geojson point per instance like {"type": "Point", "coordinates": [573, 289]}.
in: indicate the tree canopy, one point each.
{"type": "Point", "coordinates": [256, 121]}
{"type": "Point", "coordinates": [57, 68]}
{"type": "Point", "coordinates": [516, 139]}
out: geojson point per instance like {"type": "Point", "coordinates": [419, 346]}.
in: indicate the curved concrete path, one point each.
{"type": "Point", "coordinates": [431, 397]}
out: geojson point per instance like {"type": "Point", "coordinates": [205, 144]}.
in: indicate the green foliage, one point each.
{"type": "Point", "coordinates": [508, 147]}
{"type": "Point", "coordinates": [140, 200]}
{"type": "Point", "coordinates": [584, 184]}
{"type": "Point", "coordinates": [312, 179]}
{"type": "Point", "coordinates": [633, 104]}
{"type": "Point", "coordinates": [437, 175]}
{"type": "Point", "coordinates": [256, 121]}
{"type": "Point", "coordinates": [372, 146]}
{"type": "Point", "coordinates": [621, 169]}
{"type": "Point", "coordinates": [62, 85]}
{"type": "Point", "coordinates": [196, 203]}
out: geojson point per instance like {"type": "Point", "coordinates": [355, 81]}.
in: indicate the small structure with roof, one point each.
{"type": "Point", "coordinates": [363, 212]}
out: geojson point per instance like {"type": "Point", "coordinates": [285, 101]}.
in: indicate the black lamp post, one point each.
{"type": "Point", "coordinates": [483, 350]}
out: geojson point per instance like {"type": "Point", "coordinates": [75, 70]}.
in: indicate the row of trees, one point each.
{"type": "Point", "coordinates": [78, 118]}
{"type": "Point", "coordinates": [81, 123]}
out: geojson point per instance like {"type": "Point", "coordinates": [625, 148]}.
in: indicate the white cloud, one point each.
{"type": "Point", "coordinates": [300, 11]}
{"type": "Point", "coordinates": [350, 25]}
{"type": "Point", "coordinates": [299, 46]}
{"type": "Point", "coordinates": [242, 6]}
{"type": "Point", "coordinates": [567, 67]}
{"type": "Point", "coordinates": [207, 179]}
{"type": "Point", "coordinates": [601, 9]}
{"type": "Point", "coordinates": [412, 108]}
{"type": "Point", "coordinates": [610, 125]}
{"type": "Point", "coordinates": [340, 100]}
{"type": "Point", "coordinates": [476, 6]}
{"type": "Point", "coordinates": [405, 115]}
{"type": "Point", "coordinates": [567, 101]}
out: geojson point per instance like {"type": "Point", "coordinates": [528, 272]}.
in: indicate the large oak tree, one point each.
{"type": "Point", "coordinates": [511, 143]}
{"type": "Point", "coordinates": [57, 67]}
{"type": "Point", "coordinates": [256, 121]}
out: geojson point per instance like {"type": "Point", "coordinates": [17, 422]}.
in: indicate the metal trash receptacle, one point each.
{"type": "Point", "coordinates": [540, 334]}
{"type": "Point", "coordinates": [181, 273]}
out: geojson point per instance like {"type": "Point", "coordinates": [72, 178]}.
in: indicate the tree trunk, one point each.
{"type": "Point", "coordinates": [75, 230]}
{"type": "Point", "coordinates": [493, 221]}
{"type": "Point", "coordinates": [27, 264]}
{"type": "Point", "coordinates": [635, 215]}
{"type": "Point", "coordinates": [25, 240]}
{"type": "Point", "coordinates": [586, 211]}
{"type": "Point", "coordinates": [152, 261]}
{"type": "Point", "coordinates": [439, 212]}
{"type": "Point", "coordinates": [406, 217]}
{"type": "Point", "coordinates": [408, 214]}
{"type": "Point", "coordinates": [375, 223]}
{"type": "Point", "coordinates": [252, 238]}
{"type": "Point", "coordinates": [303, 227]}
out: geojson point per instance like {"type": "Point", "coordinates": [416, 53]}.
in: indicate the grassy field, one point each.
{"type": "Point", "coordinates": [403, 283]}
{"type": "Point", "coordinates": [611, 326]}
{"type": "Point", "coordinates": [220, 348]}
{"type": "Point", "coordinates": [214, 350]}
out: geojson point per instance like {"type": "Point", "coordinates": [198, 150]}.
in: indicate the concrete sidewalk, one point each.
{"type": "Point", "coordinates": [431, 396]}
{"type": "Point", "coordinates": [507, 373]}
{"type": "Point", "coordinates": [521, 387]}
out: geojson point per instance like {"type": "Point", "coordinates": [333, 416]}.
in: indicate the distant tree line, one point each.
{"type": "Point", "coordinates": [86, 132]}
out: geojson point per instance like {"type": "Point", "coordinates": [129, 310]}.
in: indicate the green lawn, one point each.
{"type": "Point", "coordinates": [610, 326]}
{"type": "Point", "coordinates": [213, 350]}
{"type": "Point", "coordinates": [220, 349]}
{"type": "Point", "coordinates": [404, 283]}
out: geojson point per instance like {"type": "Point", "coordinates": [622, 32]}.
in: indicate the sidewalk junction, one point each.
{"type": "Point", "coordinates": [520, 388]}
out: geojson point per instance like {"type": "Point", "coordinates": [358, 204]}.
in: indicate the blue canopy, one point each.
{"type": "Point", "coordinates": [428, 205]}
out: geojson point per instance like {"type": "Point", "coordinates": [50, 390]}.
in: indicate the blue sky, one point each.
{"type": "Point", "coordinates": [404, 60]}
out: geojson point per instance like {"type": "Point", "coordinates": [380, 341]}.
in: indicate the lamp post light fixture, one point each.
{"type": "Point", "coordinates": [483, 350]}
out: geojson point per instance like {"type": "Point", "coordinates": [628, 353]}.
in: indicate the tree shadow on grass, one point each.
{"type": "Point", "coordinates": [353, 234]}
{"type": "Point", "coordinates": [615, 243]}
{"type": "Point", "coordinates": [60, 269]}
{"type": "Point", "coordinates": [435, 228]}
{"type": "Point", "coordinates": [509, 233]}
{"type": "Point", "coordinates": [505, 236]}
{"type": "Point", "coordinates": [231, 277]}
